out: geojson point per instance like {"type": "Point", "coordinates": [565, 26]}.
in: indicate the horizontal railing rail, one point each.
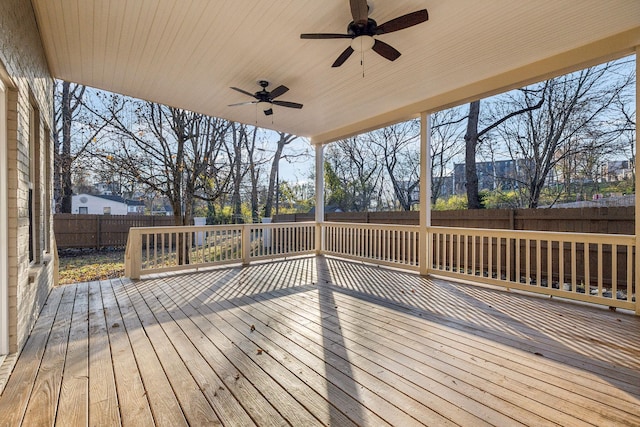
{"type": "Point", "coordinates": [391, 245]}
{"type": "Point", "coordinates": [161, 249]}
{"type": "Point", "coordinates": [596, 268]}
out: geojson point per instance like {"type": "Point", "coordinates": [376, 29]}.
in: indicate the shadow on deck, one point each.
{"type": "Point", "coordinates": [321, 341]}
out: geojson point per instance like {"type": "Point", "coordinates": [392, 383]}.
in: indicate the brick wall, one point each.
{"type": "Point", "coordinates": [24, 72]}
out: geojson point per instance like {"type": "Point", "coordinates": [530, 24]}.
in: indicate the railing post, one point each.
{"type": "Point", "coordinates": [56, 260]}
{"type": "Point", "coordinates": [319, 238]}
{"type": "Point", "coordinates": [246, 243]}
{"type": "Point", "coordinates": [133, 260]}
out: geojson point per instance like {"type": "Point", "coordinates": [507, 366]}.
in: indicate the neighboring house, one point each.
{"type": "Point", "coordinates": [162, 210]}
{"type": "Point", "coordinates": [105, 205]}
{"type": "Point", "coordinates": [444, 186]}
{"type": "Point", "coordinates": [503, 174]}
{"type": "Point", "coordinates": [106, 188]}
{"type": "Point", "coordinates": [27, 247]}
{"type": "Point", "coordinates": [617, 170]}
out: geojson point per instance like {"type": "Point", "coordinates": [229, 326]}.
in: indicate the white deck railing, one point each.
{"type": "Point", "coordinates": [391, 245]}
{"type": "Point", "coordinates": [597, 268]}
{"type": "Point", "coordinates": [161, 249]}
{"type": "Point", "coordinates": [594, 268]}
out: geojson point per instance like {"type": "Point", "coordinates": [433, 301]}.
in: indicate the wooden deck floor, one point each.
{"type": "Point", "coordinates": [319, 341]}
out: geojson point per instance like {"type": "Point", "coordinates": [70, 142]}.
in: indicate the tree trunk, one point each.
{"type": "Point", "coordinates": [275, 166]}
{"type": "Point", "coordinates": [65, 154]}
{"type": "Point", "coordinates": [471, 142]}
{"type": "Point", "coordinates": [236, 201]}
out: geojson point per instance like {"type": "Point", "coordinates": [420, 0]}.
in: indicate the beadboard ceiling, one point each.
{"type": "Point", "coordinates": [187, 53]}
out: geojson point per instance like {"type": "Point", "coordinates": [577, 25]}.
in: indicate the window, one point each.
{"type": "Point", "coordinates": [48, 196]}
{"type": "Point", "coordinates": [106, 210]}
{"type": "Point", "coordinates": [83, 210]}
{"type": "Point", "coordinates": [34, 197]}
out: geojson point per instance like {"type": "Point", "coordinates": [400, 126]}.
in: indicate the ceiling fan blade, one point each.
{"type": "Point", "coordinates": [242, 103]}
{"type": "Point", "coordinates": [359, 11]}
{"type": "Point", "coordinates": [383, 49]}
{"type": "Point", "coordinates": [287, 104]}
{"type": "Point", "coordinates": [280, 90]}
{"type": "Point", "coordinates": [243, 91]}
{"type": "Point", "coordinates": [402, 22]}
{"type": "Point", "coordinates": [343, 57]}
{"type": "Point", "coordinates": [325, 36]}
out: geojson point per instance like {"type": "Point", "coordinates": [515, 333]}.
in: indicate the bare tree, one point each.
{"type": "Point", "coordinates": [169, 151]}
{"type": "Point", "coordinates": [239, 169]}
{"type": "Point", "coordinates": [355, 165]}
{"type": "Point", "coordinates": [399, 146]}
{"type": "Point", "coordinates": [73, 132]}
{"type": "Point", "coordinates": [254, 170]}
{"type": "Point", "coordinates": [578, 117]}
{"type": "Point", "coordinates": [446, 144]}
{"type": "Point", "coordinates": [284, 139]}
{"type": "Point", "coordinates": [472, 139]}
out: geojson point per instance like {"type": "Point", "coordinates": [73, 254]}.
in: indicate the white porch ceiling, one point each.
{"type": "Point", "coordinates": [188, 53]}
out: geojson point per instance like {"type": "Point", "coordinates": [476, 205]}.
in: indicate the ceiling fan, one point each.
{"type": "Point", "coordinates": [362, 30]}
{"type": "Point", "coordinates": [265, 99]}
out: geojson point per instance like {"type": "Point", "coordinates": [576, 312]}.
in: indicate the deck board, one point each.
{"type": "Point", "coordinates": [320, 341]}
{"type": "Point", "coordinates": [43, 403]}
{"type": "Point", "coordinates": [133, 404]}
{"type": "Point", "coordinates": [296, 366]}
{"type": "Point", "coordinates": [17, 392]}
{"type": "Point", "coordinates": [73, 406]}
{"type": "Point", "coordinates": [266, 364]}
{"type": "Point", "coordinates": [103, 398]}
{"type": "Point", "coordinates": [449, 373]}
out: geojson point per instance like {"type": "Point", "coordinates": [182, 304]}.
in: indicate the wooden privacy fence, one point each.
{"type": "Point", "coordinates": [100, 231]}
{"type": "Point", "coordinates": [613, 220]}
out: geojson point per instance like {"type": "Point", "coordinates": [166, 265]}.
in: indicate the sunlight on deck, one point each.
{"type": "Point", "coordinates": [321, 341]}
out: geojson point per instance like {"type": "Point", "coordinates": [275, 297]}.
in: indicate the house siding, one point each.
{"type": "Point", "coordinates": [95, 205]}
{"type": "Point", "coordinates": [24, 71]}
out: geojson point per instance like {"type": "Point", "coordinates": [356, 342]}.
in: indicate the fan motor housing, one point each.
{"type": "Point", "coordinates": [356, 30]}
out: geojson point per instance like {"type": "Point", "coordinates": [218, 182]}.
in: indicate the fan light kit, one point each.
{"type": "Point", "coordinates": [362, 43]}
{"type": "Point", "coordinates": [363, 29]}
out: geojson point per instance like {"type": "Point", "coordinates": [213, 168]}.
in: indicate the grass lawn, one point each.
{"type": "Point", "coordinates": [88, 266]}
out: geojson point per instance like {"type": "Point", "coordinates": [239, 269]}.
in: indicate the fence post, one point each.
{"type": "Point", "coordinates": [98, 232]}
{"type": "Point", "coordinates": [246, 243]}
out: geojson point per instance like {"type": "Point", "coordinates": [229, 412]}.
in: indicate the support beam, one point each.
{"type": "Point", "coordinates": [425, 193]}
{"type": "Point", "coordinates": [319, 196]}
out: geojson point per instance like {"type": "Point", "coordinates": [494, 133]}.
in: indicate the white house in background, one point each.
{"type": "Point", "coordinates": [105, 205]}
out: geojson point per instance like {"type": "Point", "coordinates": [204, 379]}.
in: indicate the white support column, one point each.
{"type": "Point", "coordinates": [425, 193]}
{"type": "Point", "coordinates": [637, 187]}
{"type": "Point", "coordinates": [319, 197]}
